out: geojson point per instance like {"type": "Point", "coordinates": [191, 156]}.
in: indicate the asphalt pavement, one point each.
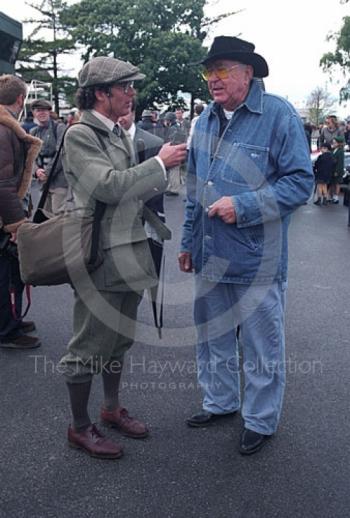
{"type": "Point", "coordinates": [180, 472]}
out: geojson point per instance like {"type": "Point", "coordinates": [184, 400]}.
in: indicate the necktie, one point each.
{"type": "Point", "coordinates": [126, 141]}
{"type": "Point", "coordinates": [117, 130]}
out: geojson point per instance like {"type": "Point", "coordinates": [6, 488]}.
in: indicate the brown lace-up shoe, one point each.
{"type": "Point", "coordinates": [20, 342]}
{"type": "Point", "coordinates": [128, 426]}
{"type": "Point", "coordinates": [94, 443]}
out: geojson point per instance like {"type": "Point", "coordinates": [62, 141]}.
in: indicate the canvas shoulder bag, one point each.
{"type": "Point", "coordinates": [60, 249]}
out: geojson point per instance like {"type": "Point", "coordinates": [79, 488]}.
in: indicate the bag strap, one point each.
{"type": "Point", "coordinates": [52, 175]}
{"type": "Point", "coordinates": [13, 302]}
{"type": "Point", "coordinates": [53, 172]}
{"type": "Point", "coordinates": [100, 207]}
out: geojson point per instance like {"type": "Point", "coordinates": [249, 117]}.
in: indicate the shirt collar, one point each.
{"type": "Point", "coordinates": [132, 131]}
{"type": "Point", "coordinates": [105, 120]}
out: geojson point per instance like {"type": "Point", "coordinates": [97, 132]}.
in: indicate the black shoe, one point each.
{"type": "Point", "coordinates": [251, 441]}
{"type": "Point", "coordinates": [205, 418]}
{"type": "Point", "coordinates": [318, 201]}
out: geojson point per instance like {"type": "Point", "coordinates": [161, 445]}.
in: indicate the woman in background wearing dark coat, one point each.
{"type": "Point", "coordinates": [323, 169]}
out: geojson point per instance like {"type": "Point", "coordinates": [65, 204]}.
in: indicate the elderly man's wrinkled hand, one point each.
{"type": "Point", "coordinates": [185, 262]}
{"type": "Point", "coordinates": [224, 209]}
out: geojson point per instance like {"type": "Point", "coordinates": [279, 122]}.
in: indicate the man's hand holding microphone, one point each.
{"type": "Point", "coordinates": [172, 155]}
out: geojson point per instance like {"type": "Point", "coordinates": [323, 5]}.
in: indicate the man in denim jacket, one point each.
{"type": "Point", "coordinates": [249, 169]}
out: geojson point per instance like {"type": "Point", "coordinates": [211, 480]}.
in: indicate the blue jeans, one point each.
{"type": "Point", "coordinates": [259, 311]}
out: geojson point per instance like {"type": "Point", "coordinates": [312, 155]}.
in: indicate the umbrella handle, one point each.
{"type": "Point", "coordinates": [159, 322]}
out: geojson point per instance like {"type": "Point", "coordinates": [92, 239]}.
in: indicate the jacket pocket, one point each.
{"type": "Point", "coordinates": [245, 166]}
{"type": "Point", "coordinates": [130, 267]}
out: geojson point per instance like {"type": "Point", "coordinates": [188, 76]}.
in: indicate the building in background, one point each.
{"type": "Point", "coordinates": [11, 36]}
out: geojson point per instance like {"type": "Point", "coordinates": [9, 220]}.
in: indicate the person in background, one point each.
{"type": "Point", "coordinates": [28, 122]}
{"type": "Point", "coordinates": [182, 122]}
{"type": "Point", "coordinates": [146, 146]}
{"type": "Point", "coordinates": [173, 133]}
{"type": "Point", "coordinates": [330, 130]}
{"type": "Point", "coordinates": [249, 169]}
{"type": "Point", "coordinates": [338, 172]}
{"type": "Point", "coordinates": [50, 132]}
{"type": "Point", "coordinates": [318, 133]}
{"type": "Point", "coordinates": [147, 122]}
{"type": "Point", "coordinates": [198, 109]}
{"type": "Point", "coordinates": [347, 134]}
{"type": "Point", "coordinates": [18, 153]}
{"type": "Point", "coordinates": [323, 169]}
{"type": "Point", "coordinates": [169, 126]}
{"type": "Point", "coordinates": [158, 124]}
{"type": "Point", "coordinates": [72, 117]}
{"type": "Point", "coordinates": [308, 133]}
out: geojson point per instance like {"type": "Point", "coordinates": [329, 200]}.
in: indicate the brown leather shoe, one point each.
{"type": "Point", "coordinates": [94, 443]}
{"type": "Point", "coordinates": [20, 342]}
{"type": "Point", "coordinates": [128, 426]}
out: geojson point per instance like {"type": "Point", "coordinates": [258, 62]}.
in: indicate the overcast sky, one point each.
{"type": "Point", "coordinates": [290, 34]}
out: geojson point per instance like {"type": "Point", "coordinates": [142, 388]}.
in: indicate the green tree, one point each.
{"type": "Point", "coordinates": [319, 104]}
{"type": "Point", "coordinates": [340, 58]}
{"type": "Point", "coordinates": [164, 36]}
{"type": "Point", "coordinates": [40, 52]}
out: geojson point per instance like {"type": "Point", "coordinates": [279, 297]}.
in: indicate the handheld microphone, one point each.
{"type": "Point", "coordinates": [178, 137]}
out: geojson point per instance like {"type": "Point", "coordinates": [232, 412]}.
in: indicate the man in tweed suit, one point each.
{"type": "Point", "coordinates": [99, 163]}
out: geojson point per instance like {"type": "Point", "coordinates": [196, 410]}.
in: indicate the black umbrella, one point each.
{"type": "Point", "coordinates": [153, 208]}
{"type": "Point", "coordinates": [157, 299]}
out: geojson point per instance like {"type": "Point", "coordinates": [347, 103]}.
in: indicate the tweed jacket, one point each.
{"type": "Point", "coordinates": [18, 151]}
{"type": "Point", "coordinates": [100, 165]}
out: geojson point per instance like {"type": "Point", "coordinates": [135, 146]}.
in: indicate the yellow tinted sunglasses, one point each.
{"type": "Point", "coordinates": [220, 72]}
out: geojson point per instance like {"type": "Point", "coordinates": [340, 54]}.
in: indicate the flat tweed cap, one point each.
{"type": "Point", "coordinates": [104, 70]}
{"type": "Point", "coordinates": [41, 104]}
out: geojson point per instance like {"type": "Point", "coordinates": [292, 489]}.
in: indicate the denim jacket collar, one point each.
{"type": "Point", "coordinates": [253, 102]}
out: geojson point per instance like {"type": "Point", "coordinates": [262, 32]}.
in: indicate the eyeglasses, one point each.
{"type": "Point", "coordinates": [125, 86]}
{"type": "Point", "coordinates": [221, 72]}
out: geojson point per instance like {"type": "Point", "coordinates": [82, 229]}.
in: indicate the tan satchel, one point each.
{"type": "Point", "coordinates": [59, 249]}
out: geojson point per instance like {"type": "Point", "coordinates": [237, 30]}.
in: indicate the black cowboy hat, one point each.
{"type": "Point", "coordinates": [228, 47]}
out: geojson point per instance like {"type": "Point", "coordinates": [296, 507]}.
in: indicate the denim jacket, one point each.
{"type": "Point", "coordinates": [262, 161]}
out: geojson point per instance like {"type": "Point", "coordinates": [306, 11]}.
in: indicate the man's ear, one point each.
{"type": "Point", "coordinates": [20, 100]}
{"type": "Point", "coordinates": [250, 71]}
{"type": "Point", "coordinates": [101, 95]}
